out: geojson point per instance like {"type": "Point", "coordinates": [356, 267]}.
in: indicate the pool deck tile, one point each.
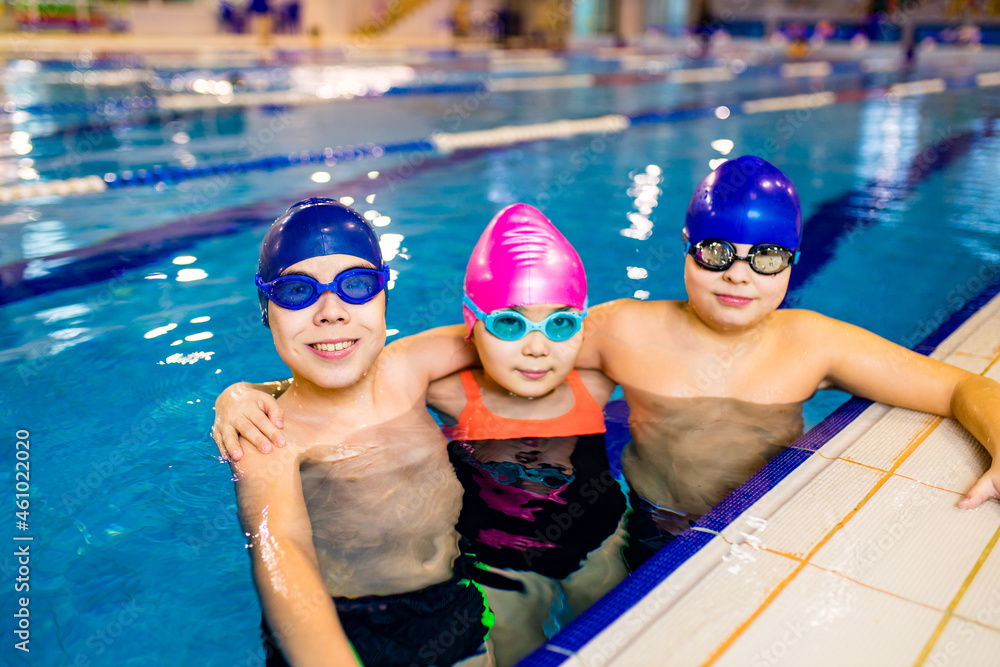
{"type": "Point", "coordinates": [809, 620]}
{"type": "Point", "coordinates": [723, 597]}
{"type": "Point", "coordinates": [981, 601]}
{"type": "Point", "coordinates": [985, 342]}
{"type": "Point", "coordinates": [885, 545]}
{"type": "Point", "coordinates": [949, 458]}
{"type": "Point", "coordinates": [963, 643]}
{"type": "Point", "coordinates": [887, 441]}
{"type": "Point", "coordinates": [797, 527]}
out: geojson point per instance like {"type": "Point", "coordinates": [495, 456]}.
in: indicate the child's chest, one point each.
{"type": "Point", "coordinates": [776, 372]}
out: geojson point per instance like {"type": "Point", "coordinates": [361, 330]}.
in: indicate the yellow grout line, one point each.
{"type": "Point", "coordinates": [863, 465]}
{"type": "Point", "coordinates": [882, 470]}
{"type": "Point", "coordinates": [973, 621]}
{"type": "Point", "coordinates": [991, 364]}
{"type": "Point", "coordinates": [733, 636]}
{"type": "Point", "coordinates": [930, 486]}
{"type": "Point", "coordinates": [954, 602]}
{"type": "Point", "coordinates": [974, 356]}
{"type": "Point", "coordinates": [875, 588]}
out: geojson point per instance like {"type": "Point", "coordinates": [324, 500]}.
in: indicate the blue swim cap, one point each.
{"type": "Point", "coordinates": [746, 200]}
{"type": "Point", "coordinates": [312, 228]}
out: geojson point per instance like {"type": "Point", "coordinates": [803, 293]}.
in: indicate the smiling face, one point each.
{"type": "Point", "coordinates": [331, 344]}
{"type": "Point", "coordinates": [531, 366]}
{"type": "Point", "coordinates": [734, 299]}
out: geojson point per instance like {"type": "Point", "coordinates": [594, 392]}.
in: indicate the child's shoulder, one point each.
{"type": "Point", "coordinates": [799, 320]}
{"type": "Point", "coordinates": [805, 328]}
{"type": "Point", "coordinates": [622, 314]}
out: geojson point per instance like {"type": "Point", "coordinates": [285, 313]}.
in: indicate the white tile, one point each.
{"type": "Point", "coordinates": [806, 519]}
{"type": "Point", "coordinates": [910, 540]}
{"type": "Point", "coordinates": [851, 433]}
{"type": "Point", "coordinates": [756, 517]}
{"type": "Point", "coordinates": [973, 364]}
{"type": "Point", "coordinates": [964, 644]}
{"type": "Point", "coordinates": [955, 340]}
{"type": "Point", "coordinates": [648, 611]}
{"type": "Point", "coordinates": [981, 600]}
{"type": "Point", "coordinates": [985, 341]}
{"type": "Point", "coordinates": [690, 630]}
{"type": "Point", "coordinates": [950, 458]}
{"type": "Point", "coordinates": [993, 372]}
{"type": "Point", "coordinates": [885, 442]}
{"type": "Point", "coordinates": [635, 620]}
{"type": "Point", "coordinates": [823, 619]}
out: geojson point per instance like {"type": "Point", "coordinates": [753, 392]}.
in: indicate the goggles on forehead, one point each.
{"type": "Point", "coordinates": [296, 291]}
{"type": "Point", "coordinates": [512, 325]}
{"type": "Point", "coordinates": [717, 255]}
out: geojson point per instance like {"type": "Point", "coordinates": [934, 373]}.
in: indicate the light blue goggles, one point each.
{"type": "Point", "coordinates": [512, 325]}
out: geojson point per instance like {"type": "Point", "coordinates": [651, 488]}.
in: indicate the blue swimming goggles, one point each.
{"type": "Point", "coordinates": [296, 291]}
{"type": "Point", "coordinates": [717, 255]}
{"type": "Point", "coordinates": [512, 325]}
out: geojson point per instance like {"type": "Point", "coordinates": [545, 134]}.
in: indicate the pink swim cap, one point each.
{"type": "Point", "coordinates": [521, 260]}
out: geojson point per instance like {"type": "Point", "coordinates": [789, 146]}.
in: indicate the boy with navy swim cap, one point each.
{"type": "Point", "coordinates": [352, 523]}
{"type": "Point", "coordinates": [729, 351]}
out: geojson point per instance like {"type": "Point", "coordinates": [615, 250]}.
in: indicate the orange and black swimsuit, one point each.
{"type": "Point", "coordinates": [539, 493]}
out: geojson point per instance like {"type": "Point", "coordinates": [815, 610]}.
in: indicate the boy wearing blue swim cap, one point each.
{"type": "Point", "coordinates": [359, 445]}
{"type": "Point", "coordinates": [715, 383]}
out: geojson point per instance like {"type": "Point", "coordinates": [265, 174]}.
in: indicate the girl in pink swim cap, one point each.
{"type": "Point", "coordinates": [541, 509]}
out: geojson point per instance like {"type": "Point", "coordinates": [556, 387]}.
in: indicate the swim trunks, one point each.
{"type": "Point", "coordinates": [648, 528]}
{"type": "Point", "coordinates": [438, 625]}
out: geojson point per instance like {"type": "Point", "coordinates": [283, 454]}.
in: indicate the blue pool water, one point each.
{"type": "Point", "coordinates": [137, 557]}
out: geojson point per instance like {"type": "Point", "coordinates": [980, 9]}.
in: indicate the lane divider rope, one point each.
{"type": "Point", "coordinates": [445, 142]}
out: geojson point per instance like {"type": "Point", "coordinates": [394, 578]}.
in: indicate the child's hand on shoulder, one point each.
{"type": "Point", "coordinates": [246, 417]}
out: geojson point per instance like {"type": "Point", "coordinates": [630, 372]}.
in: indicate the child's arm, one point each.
{"type": "Point", "coordinates": [598, 384]}
{"type": "Point", "coordinates": [597, 325]}
{"type": "Point", "coordinates": [432, 354]}
{"type": "Point", "coordinates": [867, 365]}
{"type": "Point", "coordinates": [976, 404]}
{"type": "Point", "coordinates": [247, 414]}
{"type": "Point", "coordinates": [295, 600]}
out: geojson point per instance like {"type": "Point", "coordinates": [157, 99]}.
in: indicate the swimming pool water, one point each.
{"type": "Point", "coordinates": [137, 555]}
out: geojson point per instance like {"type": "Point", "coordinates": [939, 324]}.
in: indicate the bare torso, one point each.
{"type": "Point", "coordinates": [381, 494]}
{"type": "Point", "coordinates": [693, 441]}
{"type": "Point", "coordinates": [687, 454]}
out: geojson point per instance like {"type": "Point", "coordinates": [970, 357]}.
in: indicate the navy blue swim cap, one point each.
{"type": "Point", "coordinates": [746, 200]}
{"type": "Point", "coordinates": [312, 228]}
